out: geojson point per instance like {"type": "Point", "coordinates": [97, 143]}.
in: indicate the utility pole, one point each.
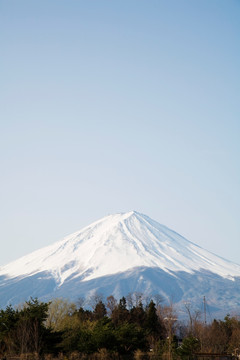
{"type": "Point", "coordinates": [204, 307]}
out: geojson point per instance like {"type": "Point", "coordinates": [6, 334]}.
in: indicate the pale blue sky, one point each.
{"type": "Point", "coordinates": [110, 106]}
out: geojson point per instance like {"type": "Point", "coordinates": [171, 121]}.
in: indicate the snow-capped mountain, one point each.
{"type": "Point", "coordinates": [119, 254]}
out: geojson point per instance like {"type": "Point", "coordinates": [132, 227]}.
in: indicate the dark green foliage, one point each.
{"type": "Point", "coordinates": [30, 328]}
{"type": "Point", "coordinates": [99, 311]}
{"type": "Point", "coordinates": [84, 315]}
{"type": "Point", "coordinates": [23, 331]}
{"type": "Point", "coordinates": [153, 324]}
{"type": "Point", "coordinates": [8, 322]}
{"type": "Point", "coordinates": [124, 332]}
{"type": "Point", "coordinates": [85, 343]}
{"type": "Point", "coordinates": [137, 315]}
{"type": "Point", "coordinates": [189, 346]}
{"type": "Point", "coordinates": [120, 313]}
{"type": "Point", "coordinates": [130, 338]}
{"type": "Point", "coordinates": [104, 336]}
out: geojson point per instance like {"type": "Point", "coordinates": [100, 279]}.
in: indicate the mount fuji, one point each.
{"type": "Point", "coordinates": [119, 254]}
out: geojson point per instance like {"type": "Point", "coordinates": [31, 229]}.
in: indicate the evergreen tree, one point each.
{"type": "Point", "coordinates": [152, 323]}
{"type": "Point", "coordinates": [99, 311]}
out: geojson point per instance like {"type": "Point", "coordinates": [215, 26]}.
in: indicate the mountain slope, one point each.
{"type": "Point", "coordinates": [117, 254]}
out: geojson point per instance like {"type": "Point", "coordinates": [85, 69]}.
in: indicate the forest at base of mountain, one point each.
{"type": "Point", "coordinates": [112, 330]}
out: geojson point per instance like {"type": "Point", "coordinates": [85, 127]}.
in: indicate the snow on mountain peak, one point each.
{"type": "Point", "coordinates": [117, 243]}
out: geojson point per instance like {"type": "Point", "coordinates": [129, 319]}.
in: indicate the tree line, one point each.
{"type": "Point", "coordinates": [112, 329]}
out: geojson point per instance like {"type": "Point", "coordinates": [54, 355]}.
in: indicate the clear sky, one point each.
{"type": "Point", "coordinates": [112, 106]}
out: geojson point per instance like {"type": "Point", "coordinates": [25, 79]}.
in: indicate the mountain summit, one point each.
{"type": "Point", "coordinates": [115, 255]}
